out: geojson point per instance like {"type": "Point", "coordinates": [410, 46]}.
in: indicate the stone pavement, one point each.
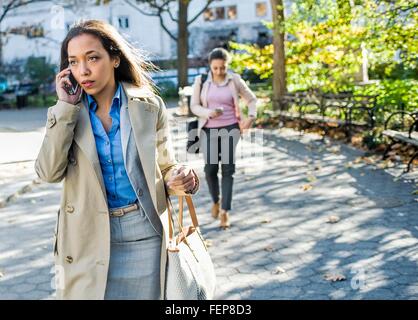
{"type": "Point", "coordinates": [303, 210]}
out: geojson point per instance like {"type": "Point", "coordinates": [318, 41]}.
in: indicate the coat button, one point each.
{"type": "Point", "coordinates": [51, 121]}
{"type": "Point", "coordinates": [69, 209]}
{"type": "Point", "coordinates": [73, 161]}
{"type": "Point", "coordinates": [140, 192]}
{"type": "Point", "coordinates": [69, 259]}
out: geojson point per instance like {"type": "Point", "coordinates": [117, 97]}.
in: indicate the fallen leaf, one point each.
{"type": "Point", "coordinates": [358, 160]}
{"type": "Point", "coordinates": [334, 277]}
{"type": "Point", "coordinates": [333, 219]}
{"type": "Point", "coordinates": [348, 165]}
{"type": "Point", "coordinates": [386, 164]}
{"type": "Point", "coordinates": [369, 160]}
{"type": "Point", "coordinates": [306, 187]}
{"type": "Point", "coordinates": [279, 270]}
{"type": "Point", "coordinates": [266, 220]}
{"type": "Point", "coordinates": [308, 160]}
{"type": "Point", "coordinates": [415, 192]}
{"type": "Point", "coordinates": [311, 178]}
{"type": "Point", "coordinates": [335, 149]}
{"type": "Point", "coordinates": [269, 248]}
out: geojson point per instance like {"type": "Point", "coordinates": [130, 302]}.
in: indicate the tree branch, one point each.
{"type": "Point", "coordinates": [171, 16]}
{"type": "Point", "coordinates": [160, 9]}
{"type": "Point", "coordinates": [6, 9]}
{"type": "Point", "coordinates": [401, 9]}
{"type": "Point", "coordinates": [140, 10]}
{"type": "Point", "coordinates": [201, 11]}
{"type": "Point", "coordinates": [13, 4]}
{"type": "Point", "coordinates": [166, 29]}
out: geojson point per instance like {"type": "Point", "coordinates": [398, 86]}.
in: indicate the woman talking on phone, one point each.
{"type": "Point", "coordinates": [216, 103]}
{"type": "Point", "coordinates": [109, 142]}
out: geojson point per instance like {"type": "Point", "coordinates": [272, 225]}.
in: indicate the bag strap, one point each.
{"type": "Point", "coordinates": [192, 210]}
{"type": "Point", "coordinates": [170, 210]}
{"type": "Point", "coordinates": [203, 79]}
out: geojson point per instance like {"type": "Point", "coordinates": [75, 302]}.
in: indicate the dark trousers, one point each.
{"type": "Point", "coordinates": [219, 145]}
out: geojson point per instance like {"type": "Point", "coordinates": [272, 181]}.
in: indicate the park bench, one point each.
{"type": "Point", "coordinates": [343, 110]}
{"type": "Point", "coordinates": [403, 129]}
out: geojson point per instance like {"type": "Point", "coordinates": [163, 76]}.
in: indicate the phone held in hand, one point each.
{"type": "Point", "coordinates": [219, 109]}
{"type": "Point", "coordinates": [74, 85]}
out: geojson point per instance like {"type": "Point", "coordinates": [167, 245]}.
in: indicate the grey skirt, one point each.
{"type": "Point", "coordinates": [134, 269]}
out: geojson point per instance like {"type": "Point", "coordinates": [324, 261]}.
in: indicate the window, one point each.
{"type": "Point", "coordinates": [123, 22]}
{"type": "Point", "coordinates": [220, 13]}
{"type": "Point", "coordinates": [208, 15]}
{"type": "Point", "coordinates": [232, 12]}
{"type": "Point", "coordinates": [261, 9]}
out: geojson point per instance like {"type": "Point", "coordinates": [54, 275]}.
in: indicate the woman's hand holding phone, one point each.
{"type": "Point", "coordinates": [63, 86]}
{"type": "Point", "coordinates": [216, 112]}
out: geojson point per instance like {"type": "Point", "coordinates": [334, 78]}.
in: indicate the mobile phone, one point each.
{"type": "Point", "coordinates": [74, 85]}
{"type": "Point", "coordinates": [219, 109]}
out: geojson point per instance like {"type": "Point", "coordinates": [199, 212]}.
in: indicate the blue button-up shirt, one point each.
{"type": "Point", "coordinates": [109, 148]}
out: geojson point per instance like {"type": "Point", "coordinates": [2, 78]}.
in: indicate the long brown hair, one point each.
{"type": "Point", "coordinates": [133, 68]}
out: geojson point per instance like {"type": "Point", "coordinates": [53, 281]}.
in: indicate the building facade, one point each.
{"type": "Point", "coordinates": [239, 20]}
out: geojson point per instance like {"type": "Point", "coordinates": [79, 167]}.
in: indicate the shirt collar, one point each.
{"type": "Point", "coordinates": [115, 101]}
{"type": "Point", "coordinates": [227, 78]}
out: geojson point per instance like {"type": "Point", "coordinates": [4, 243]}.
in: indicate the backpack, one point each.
{"type": "Point", "coordinates": [192, 126]}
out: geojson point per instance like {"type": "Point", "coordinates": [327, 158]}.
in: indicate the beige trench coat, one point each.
{"type": "Point", "coordinates": [68, 153]}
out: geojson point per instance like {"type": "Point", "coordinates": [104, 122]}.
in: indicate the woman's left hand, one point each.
{"type": "Point", "coordinates": [183, 179]}
{"type": "Point", "coordinates": [246, 124]}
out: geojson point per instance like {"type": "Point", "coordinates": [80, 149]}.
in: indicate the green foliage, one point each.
{"type": "Point", "coordinates": [325, 43]}
{"type": "Point", "coordinates": [254, 58]}
{"type": "Point", "coordinates": [40, 101]}
{"type": "Point", "coordinates": [167, 89]}
{"type": "Point", "coordinates": [393, 92]}
{"type": "Point", "coordinates": [39, 71]}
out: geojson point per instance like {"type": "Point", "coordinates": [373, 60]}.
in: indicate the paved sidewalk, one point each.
{"type": "Point", "coordinates": [304, 211]}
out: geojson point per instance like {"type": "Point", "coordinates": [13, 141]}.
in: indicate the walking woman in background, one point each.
{"type": "Point", "coordinates": [216, 103]}
{"type": "Point", "coordinates": [110, 144]}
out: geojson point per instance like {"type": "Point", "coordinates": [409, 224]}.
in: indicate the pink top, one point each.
{"type": "Point", "coordinates": [221, 96]}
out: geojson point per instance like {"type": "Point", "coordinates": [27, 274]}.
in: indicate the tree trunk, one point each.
{"type": "Point", "coordinates": [1, 52]}
{"type": "Point", "coordinates": [182, 44]}
{"type": "Point", "coordinates": [279, 66]}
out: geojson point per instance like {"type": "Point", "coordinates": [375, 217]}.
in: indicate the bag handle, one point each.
{"type": "Point", "coordinates": [170, 209]}
{"type": "Point", "coordinates": [192, 210]}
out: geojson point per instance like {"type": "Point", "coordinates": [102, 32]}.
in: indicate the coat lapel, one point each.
{"type": "Point", "coordinates": [143, 120]}
{"type": "Point", "coordinates": [125, 126]}
{"type": "Point", "coordinates": [84, 138]}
